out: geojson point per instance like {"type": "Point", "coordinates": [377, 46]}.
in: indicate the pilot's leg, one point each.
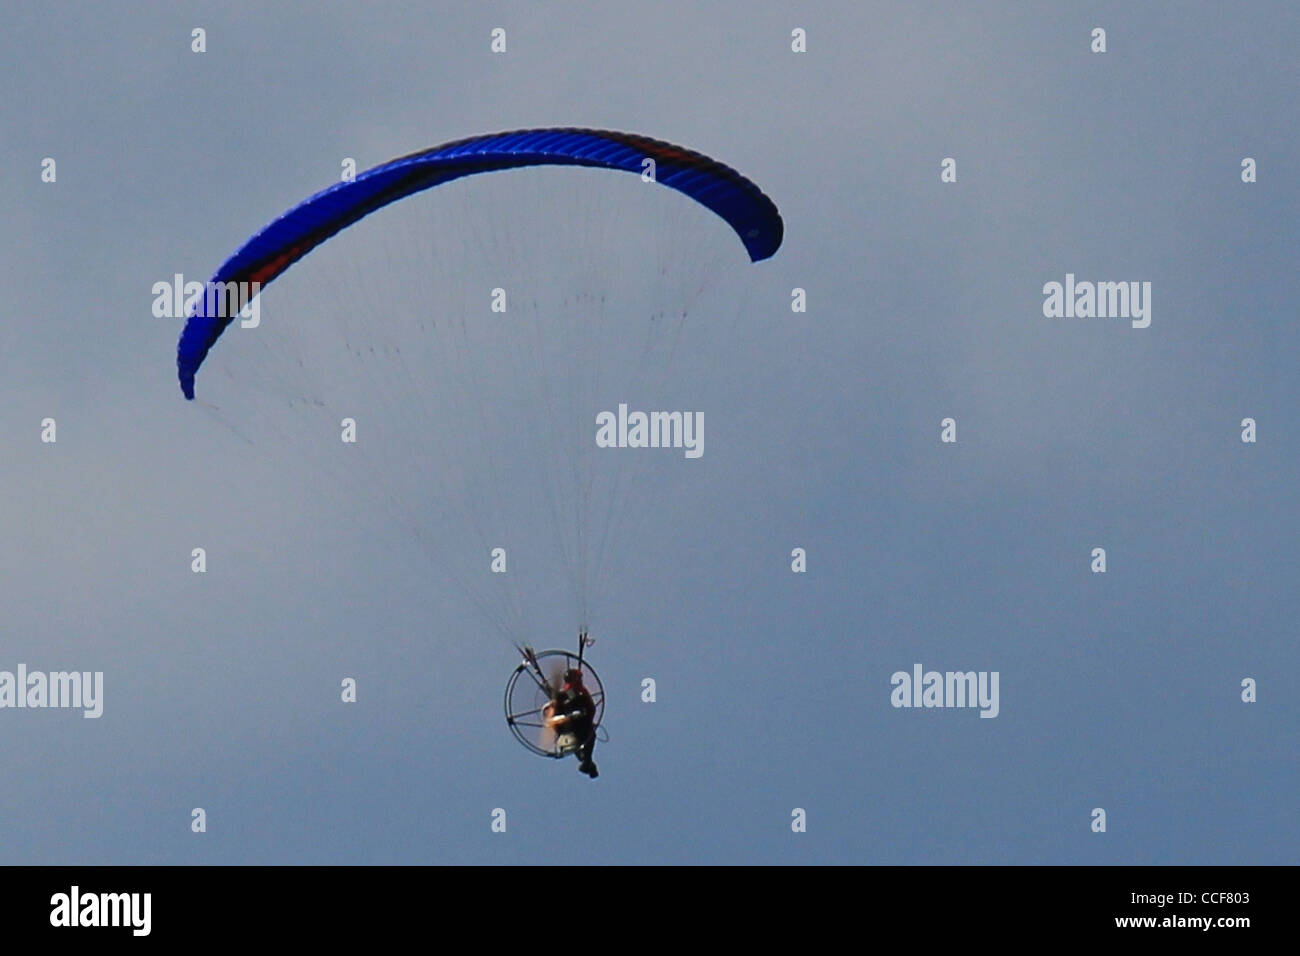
{"type": "Point", "coordinates": [584, 755]}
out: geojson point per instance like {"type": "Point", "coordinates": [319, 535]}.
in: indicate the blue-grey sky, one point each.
{"type": "Point", "coordinates": [1118, 690]}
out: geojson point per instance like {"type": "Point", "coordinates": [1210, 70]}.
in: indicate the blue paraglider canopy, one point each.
{"type": "Point", "coordinates": [744, 207]}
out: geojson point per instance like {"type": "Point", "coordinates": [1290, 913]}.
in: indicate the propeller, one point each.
{"type": "Point", "coordinates": [554, 678]}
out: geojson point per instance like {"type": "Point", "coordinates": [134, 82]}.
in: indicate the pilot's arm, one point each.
{"type": "Point", "coordinates": [551, 718]}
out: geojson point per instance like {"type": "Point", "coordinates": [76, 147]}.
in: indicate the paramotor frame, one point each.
{"type": "Point", "coordinates": [533, 685]}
